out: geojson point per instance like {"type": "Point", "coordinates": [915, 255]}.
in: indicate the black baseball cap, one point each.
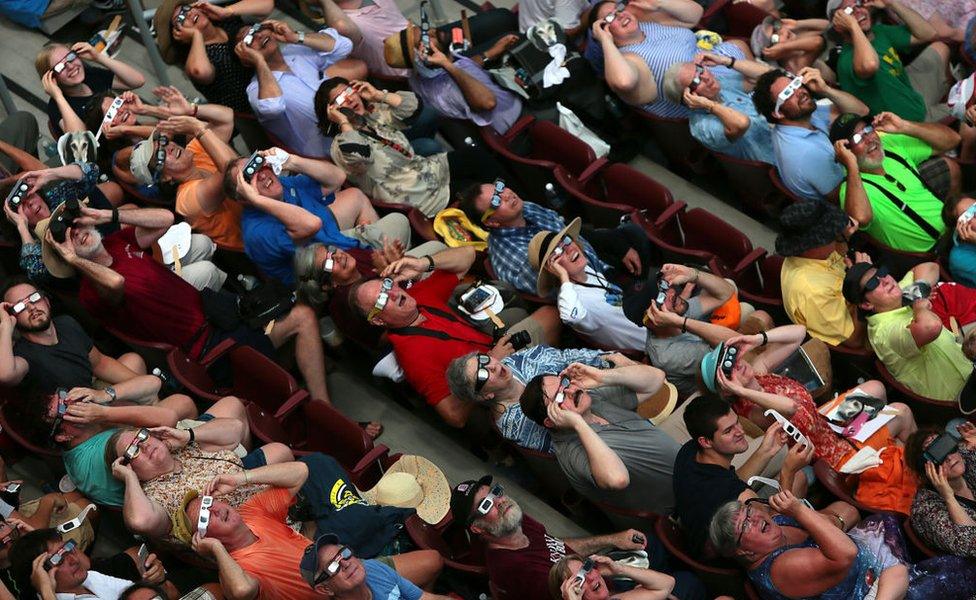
{"type": "Point", "coordinates": [844, 126]}
{"type": "Point", "coordinates": [462, 498]}
{"type": "Point", "coordinates": [309, 564]}
{"type": "Point", "coordinates": [853, 291]}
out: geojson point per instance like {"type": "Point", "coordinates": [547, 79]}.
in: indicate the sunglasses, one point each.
{"type": "Point", "coordinates": [849, 10]}
{"type": "Point", "coordinates": [729, 357]}
{"type": "Point", "coordinates": [69, 526]}
{"type": "Point", "coordinates": [488, 501]}
{"type": "Point", "coordinates": [135, 446]}
{"type": "Point", "coordinates": [61, 64]}
{"type": "Point", "coordinates": [859, 137]}
{"type": "Point", "coordinates": [160, 157]}
{"type": "Point", "coordinates": [560, 396]}
{"type": "Point", "coordinates": [584, 570]}
{"type": "Point", "coordinates": [787, 93]}
{"type": "Point", "coordinates": [382, 299]}
{"type": "Point", "coordinates": [253, 165]}
{"type": "Point", "coordinates": [697, 79]}
{"type": "Point", "coordinates": [332, 568]}
{"type": "Point", "coordinates": [613, 16]}
{"type": "Point", "coordinates": [496, 199]}
{"type": "Point", "coordinates": [774, 38]}
{"type": "Point", "coordinates": [481, 377]}
{"type": "Point", "coordinates": [890, 179]}
{"type": "Point", "coordinates": [203, 520]}
{"type": "Point", "coordinates": [875, 280]}
{"type": "Point", "coordinates": [325, 275]}
{"type": "Point", "coordinates": [745, 521]}
{"type": "Point", "coordinates": [17, 195]}
{"type": "Point", "coordinates": [182, 14]}
{"type": "Point", "coordinates": [789, 428]}
{"type": "Point", "coordinates": [62, 409]}
{"type": "Point", "coordinates": [58, 557]}
{"type": "Point", "coordinates": [340, 100]}
{"type": "Point", "coordinates": [252, 31]}
{"type": "Point", "coordinates": [21, 306]}
{"type": "Point", "coordinates": [560, 248]}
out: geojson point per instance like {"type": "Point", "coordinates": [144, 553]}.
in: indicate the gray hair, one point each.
{"type": "Point", "coordinates": [673, 90]}
{"type": "Point", "coordinates": [721, 531]}
{"type": "Point", "coordinates": [306, 276]}
{"type": "Point", "coordinates": [462, 387]}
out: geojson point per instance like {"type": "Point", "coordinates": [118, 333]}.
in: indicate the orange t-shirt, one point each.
{"type": "Point", "coordinates": [274, 558]}
{"type": "Point", "coordinates": [222, 226]}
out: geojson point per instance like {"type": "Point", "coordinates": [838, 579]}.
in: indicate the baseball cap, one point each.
{"type": "Point", "coordinates": [462, 497]}
{"type": "Point", "coordinates": [962, 96]}
{"type": "Point", "coordinates": [142, 153]}
{"type": "Point", "coordinates": [832, 5]}
{"type": "Point", "coordinates": [853, 292]}
{"type": "Point", "coordinates": [844, 126]}
{"type": "Point", "coordinates": [310, 558]}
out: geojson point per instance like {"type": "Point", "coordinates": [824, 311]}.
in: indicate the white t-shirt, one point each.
{"type": "Point", "coordinates": [585, 308]}
{"type": "Point", "coordinates": [564, 12]}
{"type": "Point", "coordinates": [102, 587]}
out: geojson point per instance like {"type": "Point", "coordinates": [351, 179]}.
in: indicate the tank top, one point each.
{"type": "Point", "coordinates": [663, 46]}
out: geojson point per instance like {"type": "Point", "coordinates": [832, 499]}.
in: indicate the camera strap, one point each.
{"type": "Point", "coordinates": [433, 333]}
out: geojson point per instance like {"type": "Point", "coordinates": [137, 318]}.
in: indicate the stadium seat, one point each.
{"type": "Point", "coordinates": [153, 353]}
{"type": "Point", "coordinates": [460, 549]}
{"type": "Point", "coordinates": [840, 485]}
{"type": "Point", "coordinates": [752, 186]}
{"type": "Point", "coordinates": [677, 252]}
{"type": "Point", "coordinates": [25, 161]}
{"type": "Point", "coordinates": [757, 276]}
{"type": "Point", "coordinates": [898, 262]}
{"type": "Point", "coordinates": [625, 518]}
{"type": "Point", "coordinates": [685, 155]}
{"type": "Point", "coordinates": [719, 580]}
{"type": "Point", "coordinates": [916, 541]}
{"type": "Point", "coordinates": [24, 442]}
{"type": "Point", "coordinates": [778, 183]}
{"type": "Point", "coordinates": [709, 233]}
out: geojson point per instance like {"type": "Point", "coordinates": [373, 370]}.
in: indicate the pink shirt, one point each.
{"type": "Point", "coordinates": [378, 21]}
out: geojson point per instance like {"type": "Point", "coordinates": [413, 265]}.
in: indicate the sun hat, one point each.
{"type": "Point", "coordinates": [414, 482]}
{"type": "Point", "coordinates": [709, 368]}
{"type": "Point", "coordinates": [853, 292]}
{"type": "Point", "coordinates": [164, 33]}
{"type": "Point", "coordinates": [182, 529]}
{"type": "Point", "coordinates": [540, 248]}
{"type": "Point", "coordinates": [53, 262]}
{"type": "Point", "coordinates": [142, 153]}
{"type": "Point", "coordinates": [807, 225]}
{"type": "Point", "coordinates": [398, 48]}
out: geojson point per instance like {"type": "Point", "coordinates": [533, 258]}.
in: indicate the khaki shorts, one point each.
{"type": "Point", "coordinates": [927, 74]}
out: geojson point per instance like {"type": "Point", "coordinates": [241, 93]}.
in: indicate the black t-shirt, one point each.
{"type": "Point", "coordinates": [65, 364]}
{"type": "Point", "coordinates": [229, 86]}
{"type": "Point", "coordinates": [699, 489]}
{"type": "Point", "coordinates": [96, 78]}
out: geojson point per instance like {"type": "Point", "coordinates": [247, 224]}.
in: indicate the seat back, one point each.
{"type": "Point", "coordinates": [598, 213]}
{"type": "Point", "coordinates": [338, 436]}
{"type": "Point", "coordinates": [718, 580]}
{"type": "Point", "coordinates": [898, 262]}
{"type": "Point", "coordinates": [259, 379]}
{"type": "Point", "coordinates": [926, 410]}
{"type": "Point", "coordinates": [627, 185]}
{"type": "Point", "coordinates": [546, 468]}
{"type": "Point", "coordinates": [22, 440]}
{"type": "Point", "coordinates": [704, 231]}
{"type": "Point", "coordinates": [192, 375]}
{"type": "Point", "coordinates": [459, 549]}
{"type": "Point", "coordinates": [154, 353]}
{"type": "Point", "coordinates": [916, 541]}
{"type": "Point", "coordinates": [791, 198]}
{"type": "Point", "coordinates": [840, 485]}
{"type": "Point", "coordinates": [759, 285]}
{"type": "Point", "coordinates": [625, 518]}
{"type": "Point", "coordinates": [553, 143]}
{"type": "Point", "coordinates": [752, 186]}
{"type": "Point", "coordinates": [684, 153]}
{"type": "Point", "coordinates": [267, 428]}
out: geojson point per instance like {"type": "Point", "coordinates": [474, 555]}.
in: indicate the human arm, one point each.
{"type": "Point", "coordinates": [289, 475]}
{"type": "Point", "coordinates": [220, 433]}
{"type": "Point", "coordinates": [108, 369]}
{"type": "Point", "coordinates": [235, 582]}
{"type": "Point", "coordinates": [455, 260]}
{"type": "Point", "coordinates": [299, 223]}
{"type": "Point", "coordinates": [798, 45]}
{"type": "Point", "coordinates": [958, 516]}
{"type": "Point", "coordinates": [336, 18]}
{"type": "Point", "coordinates": [150, 223]}
{"type": "Point", "coordinates": [476, 94]}
{"type": "Point", "coordinates": [13, 368]}
{"type": "Point", "coordinates": [137, 388]}
{"type": "Point", "coordinates": [865, 61]}
{"type": "Point", "coordinates": [925, 326]}
{"type": "Point", "coordinates": [141, 515]}
{"type": "Point", "coordinates": [628, 539]}
{"type": "Point", "coordinates": [682, 13]}
{"type": "Point", "coordinates": [322, 171]}
{"type": "Point", "coordinates": [320, 41]}
{"type": "Point", "coordinates": [855, 201]}
{"type": "Point", "coordinates": [927, 272]}
{"type": "Point", "coordinates": [241, 8]}
{"type": "Point", "coordinates": [126, 77]}
{"type": "Point", "coordinates": [750, 69]}
{"type": "Point", "coordinates": [651, 585]}
{"type": "Point", "coordinates": [622, 75]}
{"type": "Point", "coordinates": [773, 440]}
{"type": "Point", "coordinates": [639, 378]}
{"type": "Point", "coordinates": [267, 83]}
{"type": "Point", "coordinates": [940, 137]}
{"type": "Point", "coordinates": [921, 29]}
{"type": "Point", "coordinates": [780, 342]}
{"type": "Point", "coordinates": [136, 416]}
{"type": "Point", "coordinates": [42, 580]}
{"type": "Point", "coordinates": [606, 469]}
{"type": "Point", "coordinates": [498, 48]}
{"type": "Point", "coordinates": [109, 285]}
{"type": "Point", "coordinates": [716, 291]}
{"type": "Point", "coordinates": [216, 117]}
{"type": "Point", "coordinates": [734, 123]}
{"type": "Point", "coordinates": [198, 66]}
{"type": "Point", "coordinates": [70, 121]}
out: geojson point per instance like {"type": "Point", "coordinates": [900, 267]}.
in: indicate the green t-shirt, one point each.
{"type": "Point", "coordinates": [890, 225]}
{"type": "Point", "coordinates": [937, 370]}
{"type": "Point", "coordinates": [85, 464]}
{"type": "Point", "coordinates": [889, 89]}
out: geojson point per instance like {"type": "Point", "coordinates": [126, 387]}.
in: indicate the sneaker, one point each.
{"type": "Point", "coordinates": [66, 485]}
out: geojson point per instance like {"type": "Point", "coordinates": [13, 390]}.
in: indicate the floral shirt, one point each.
{"type": "Point", "coordinates": [930, 516]}
{"type": "Point", "coordinates": [196, 469]}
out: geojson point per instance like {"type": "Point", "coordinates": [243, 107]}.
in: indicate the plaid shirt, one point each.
{"type": "Point", "coordinates": [508, 247]}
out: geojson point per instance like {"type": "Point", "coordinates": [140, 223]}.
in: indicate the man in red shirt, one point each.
{"type": "Point", "coordinates": [123, 286]}
{"type": "Point", "coordinates": [519, 552]}
{"type": "Point", "coordinates": [427, 334]}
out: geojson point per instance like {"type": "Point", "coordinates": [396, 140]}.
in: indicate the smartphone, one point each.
{"type": "Point", "coordinates": [520, 339]}
{"type": "Point", "coordinates": [940, 449]}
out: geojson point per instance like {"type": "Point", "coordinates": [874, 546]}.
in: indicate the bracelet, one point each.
{"type": "Point", "coordinates": [196, 109]}
{"type": "Point", "coordinates": [115, 216]}
{"type": "Point", "coordinates": [193, 436]}
{"type": "Point", "coordinates": [684, 325]}
{"type": "Point", "coordinates": [697, 274]}
{"type": "Point", "coordinates": [764, 337]}
{"type": "Point", "coordinates": [386, 94]}
{"type": "Point", "coordinates": [430, 267]}
{"type": "Point", "coordinates": [484, 58]}
{"type": "Point", "coordinates": [301, 37]}
{"type": "Point", "coordinates": [246, 479]}
{"type": "Point", "coordinates": [200, 135]}
{"type": "Point", "coordinates": [731, 62]}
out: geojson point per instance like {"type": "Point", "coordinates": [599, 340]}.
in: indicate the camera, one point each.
{"type": "Point", "coordinates": [520, 339]}
{"type": "Point", "coordinates": [729, 358]}
{"type": "Point", "coordinates": [65, 219]}
{"type": "Point", "coordinates": [17, 194]}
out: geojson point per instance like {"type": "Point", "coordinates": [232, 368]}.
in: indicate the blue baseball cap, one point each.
{"type": "Point", "coordinates": [310, 559]}
{"type": "Point", "coordinates": [709, 367]}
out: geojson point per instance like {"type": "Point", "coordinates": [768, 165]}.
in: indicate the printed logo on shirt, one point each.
{"type": "Point", "coordinates": [134, 252]}
{"type": "Point", "coordinates": [557, 549]}
{"type": "Point", "coordinates": [342, 495]}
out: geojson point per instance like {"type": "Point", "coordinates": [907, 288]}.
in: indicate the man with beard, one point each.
{"type": "Point", "coordinates": [892, 171]}
{"type": "Point", "coordinates": [519, 551]}
{"type": "Point", "coordinates": [804, 157]}
{"type": "Point", "coordinates": [56, 352]}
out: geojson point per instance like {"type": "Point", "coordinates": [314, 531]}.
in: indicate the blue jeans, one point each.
{"type": "Point", "coordinates": [422, 131]}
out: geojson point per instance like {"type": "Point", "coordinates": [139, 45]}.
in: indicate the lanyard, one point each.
{"type": "Point", "coordinates": [440, 335]}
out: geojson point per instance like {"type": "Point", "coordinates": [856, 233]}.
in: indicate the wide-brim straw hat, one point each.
{"type": "Point", "coordinates": [414, 482]}
{"type": "Point", "coordinates": [541, 247]}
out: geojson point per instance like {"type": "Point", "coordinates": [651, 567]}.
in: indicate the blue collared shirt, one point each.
{"type": "Point", "coordinates": [509, 247]}
{"type": "Point", "coordinates": [805, 157]}
{"type": "Point", "coordinates": [291, 116]}
{"type": "Point", "coordinates": [756, 143]}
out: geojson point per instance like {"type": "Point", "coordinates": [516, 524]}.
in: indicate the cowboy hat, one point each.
{"type": "Point", "coordinates": [164, 33]}
{"type": "Point", "coordinates": [55, 264]}
{"type": "Point", "coordinates": [540, 249]}
{"type": "Point", "coordinates": [414, 482]}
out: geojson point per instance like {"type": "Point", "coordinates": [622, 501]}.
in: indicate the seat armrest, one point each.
{"type": "Point", "coordinates": [217, 351]}
{"type": "Point", "coordinates": [673, 211]}
{"type": "Point", "coordinates": [748, 260]}
{"type": "Point", "coordinates": [288, 406]}
{"type": "Point", "coordinates": [594, 168]}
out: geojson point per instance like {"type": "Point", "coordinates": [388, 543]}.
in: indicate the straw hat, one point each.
{"type": "Point", "coordinates": [541, 247]}
{"type": "Point", "coordinates": [182, 529]}
{"type": "Point", "coordinates": [164, 34]}
{"type": "Point", "coordinates": [398, 48]}
{"type": "Point", "coordinates": [414, 482]}
{"type": "Point", "coordinates": [55, 265]}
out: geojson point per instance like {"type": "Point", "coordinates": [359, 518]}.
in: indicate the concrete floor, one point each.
{"type": "Point", "coordinates": [351, 386]}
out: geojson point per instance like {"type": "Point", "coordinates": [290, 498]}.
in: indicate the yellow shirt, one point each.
{"type": "Point", "coordinates": [937, 370]}
{"type": "Point", "coordinates": [812, 296]}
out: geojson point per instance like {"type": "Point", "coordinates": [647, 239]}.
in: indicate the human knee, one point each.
{"type": "Point", "coordinates": [875, 388]}
{"type": "Point", "coordinates": [276, 452]}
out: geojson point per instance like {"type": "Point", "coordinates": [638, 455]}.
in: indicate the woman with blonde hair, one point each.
{"type": "Point", "coordinates": [569, 581]}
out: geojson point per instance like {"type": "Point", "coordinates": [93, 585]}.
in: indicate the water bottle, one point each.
{"type": "Point", "coordinates": [553, 197]}
{"type": "Point", "coordinates": [469, 142]}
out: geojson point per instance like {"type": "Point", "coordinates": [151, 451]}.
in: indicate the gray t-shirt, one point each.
{"type": "Point", "coordinates": [680, 356]}
{"type": "Point", "coordinates": [646, 451]}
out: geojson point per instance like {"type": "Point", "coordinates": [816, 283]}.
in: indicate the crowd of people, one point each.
{"type": "Point", "coordinates": [816, 443]}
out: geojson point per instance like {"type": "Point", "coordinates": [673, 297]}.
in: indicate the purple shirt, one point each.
{"type": "Point", "coordinates": [444, 94]}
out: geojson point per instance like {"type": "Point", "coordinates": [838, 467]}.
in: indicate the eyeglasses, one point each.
{"type": "Point", "coordinates": [56, 558]}
{"type": "Point", "coordinates": [875, 280]}
{"type": "Point", "coordinates": [774, 38]}
{"type": "Point", "coordinates": [697, 79]}
{"type": "Point", "coordinates": [182, 13]}
{"type": "Point", "coordinates": [61, 410]}
{"type": "Point", "coordinates": [17, 195]}
{"type": "Point", "coordinates": [343, 95]}
{"type": "Point", "coordinates": [21, 306]}
{"type": "Point", "coordinates": [496, 199]}
{"type": "Point", "coordinates": [482, 374]}
{"type": "Point", "coordinates": [787, 93]}
{"type": "Point", "coordinates": [69, 526]}
{"type": "Point", "coordinates": [745, 521]}
{"type": "Point", "coordinates": [160, 158]}
{"type": "Point", "coordinates": [859, 137]}
{"type": "Point", "coordinates": [560, 396]}
{"type": "Point", "coordinates": [612, 16]}
{"type": "Point", "coordinates": [849, 10]}
{"type": "Point", "coordinates": [110, 115]}
{"type": "Point", "coordinates": [332, 568]}
{"type": "Point", "coordinates": [252, 31]}
{"type": "Point", "coordinates": [488, 501]}
{"type": "Point", "coordinates": [253, 165]}
{"type": "Point", "coordinates": [789, 428]}
{"type": "Point", "coordinates": [382, 299]}
{"type": "Point", "coordinates": [134, 447]}
{"type": "Point", "coordinates": [584, 570]}
{"type": "Point", "coordinates": [203, 520]}
{"type": "Point", "coordinates": [61, 64]}
{"type": "Point", "coordinates": [560, 248]}
{"type": "Point", "coordinates": [890, 179]}
{"type": "Point", "coordinates": [325, 275]}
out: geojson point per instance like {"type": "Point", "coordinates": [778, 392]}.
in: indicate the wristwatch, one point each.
{"type": "Point", "coordinates": [111, 393]}
{"type": "Point", "coordinates": [301, 37]}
